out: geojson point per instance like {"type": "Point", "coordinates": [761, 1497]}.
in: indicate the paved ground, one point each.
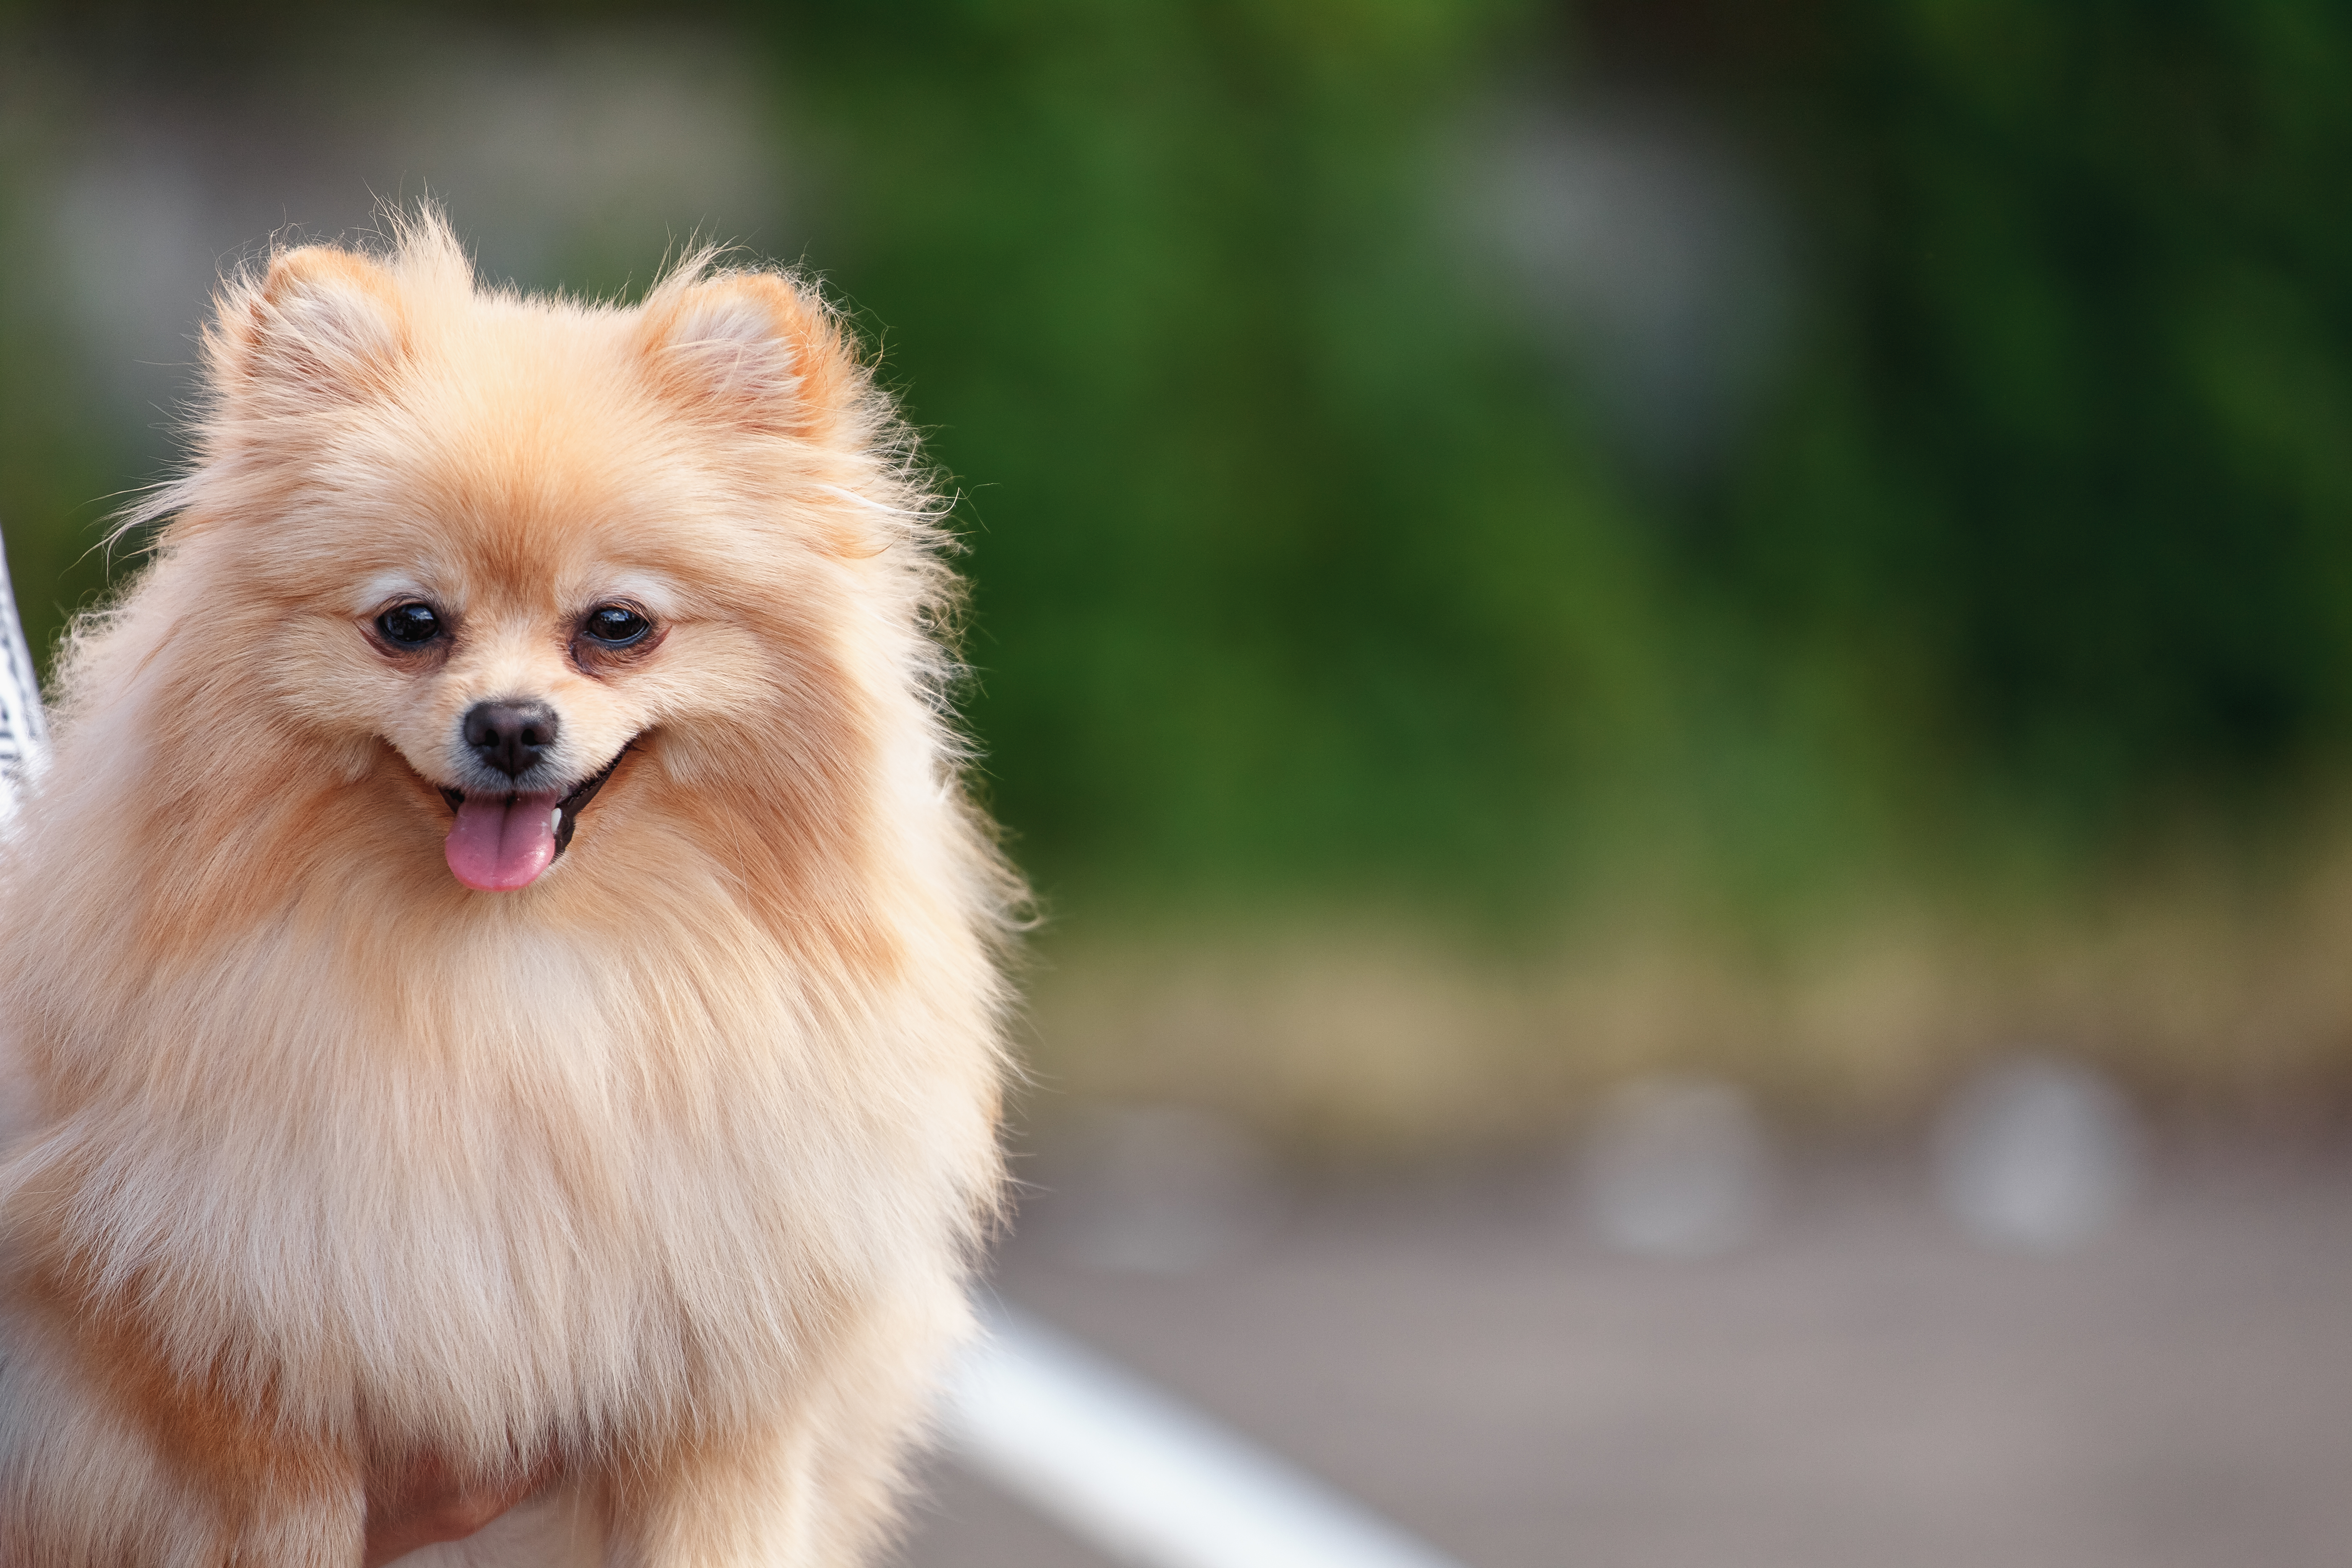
{"type": "Point", "coordinates": [1860, 1386]}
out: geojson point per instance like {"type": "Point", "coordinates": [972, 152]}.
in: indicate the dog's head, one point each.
{"type": "Point", "coordinates": [510, 553]}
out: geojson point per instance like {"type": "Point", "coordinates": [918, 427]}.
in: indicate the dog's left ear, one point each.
{"type": "Point", "coordinates": [324, 326]}
{"type": "Point", "coordinates": [756, 350]}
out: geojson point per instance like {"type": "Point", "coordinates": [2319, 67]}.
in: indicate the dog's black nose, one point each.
{"type": "Point", "coordinates": [511, 736]}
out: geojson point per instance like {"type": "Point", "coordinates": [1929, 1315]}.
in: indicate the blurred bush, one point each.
{"type": "Point", "coordinates": [1295, 574]}
{"type": "Point", "coordinates": [1994, 550]}
{"type": "Point", "coordinates": [2061, 477]}
{"type": "Point", "coordinates": [1300, 572]}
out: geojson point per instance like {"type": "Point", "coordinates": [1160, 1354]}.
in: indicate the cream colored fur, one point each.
{"type": "Point", "coordinates": [658, 1177]}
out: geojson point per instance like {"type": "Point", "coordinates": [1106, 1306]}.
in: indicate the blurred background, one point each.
{"type": "Point", "coordinates": [1677, 676]}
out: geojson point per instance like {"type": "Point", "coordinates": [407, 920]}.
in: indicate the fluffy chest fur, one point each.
{"type": "Point", "coordinates": [567, 1186]}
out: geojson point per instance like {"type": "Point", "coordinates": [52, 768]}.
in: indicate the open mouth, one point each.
{"type": "Point", "coordinates": [501, 842]}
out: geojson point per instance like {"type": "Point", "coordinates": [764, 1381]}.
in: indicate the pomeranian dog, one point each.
{"type": "Point", "coordinates": [502, 980]}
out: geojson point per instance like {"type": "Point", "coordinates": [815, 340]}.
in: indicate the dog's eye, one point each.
{"type": "Point", "coordinates": [412, 624]}
{"type": "Point", "coordinates": [614, 626]}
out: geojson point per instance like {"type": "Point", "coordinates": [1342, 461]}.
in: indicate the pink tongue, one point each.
{"type": "Point", "coordinates": [501, 842]}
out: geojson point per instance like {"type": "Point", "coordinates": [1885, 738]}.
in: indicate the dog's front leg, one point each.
{"type": "Point", "coordinates": [105, 1462]}
{"type": "Point", "coordinates": [746, 1500]}
{"type": "Point", "coordinates": [820, 1486]}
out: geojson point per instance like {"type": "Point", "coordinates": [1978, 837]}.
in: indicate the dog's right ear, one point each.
{"type": "Point", "coordinates": [324, 326]}
{"type": "Point", "coordinates": [757, 350]}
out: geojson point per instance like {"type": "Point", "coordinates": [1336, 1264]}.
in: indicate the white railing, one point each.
{"type": "Point", "coordinates": [1151, 1482]}
{"type": "Point", "coordinates": [23, 728]}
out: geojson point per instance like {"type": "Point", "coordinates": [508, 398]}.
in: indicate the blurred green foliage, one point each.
{"type": "Point", "coordinates": [1302, 573]}
{"type": "Point", "coordinates": [1291, 568]}
{"type": "Point", "coordinates": [2065, 475]}
{"type": "Point", "coordinates": [1295, 570]}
